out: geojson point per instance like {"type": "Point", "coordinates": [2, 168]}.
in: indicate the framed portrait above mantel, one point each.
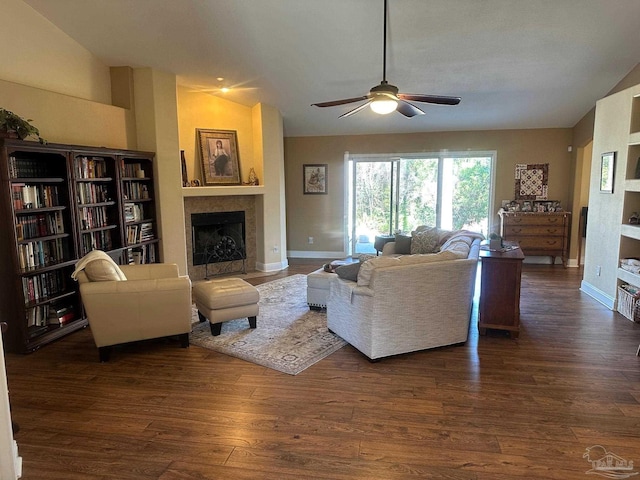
{"type": "Point", "coordinates": [607, 171]}
{"type": "Point", "coordinates": [314, 178]}
{"type": "Point", "coordinates": [219, 154]}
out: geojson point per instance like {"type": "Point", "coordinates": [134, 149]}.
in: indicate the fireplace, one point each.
{"type": "Point", "coordinates": [219, 237]}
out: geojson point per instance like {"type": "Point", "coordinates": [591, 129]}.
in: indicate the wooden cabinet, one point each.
{"type": "Point", "coordinates": [499, 306]}
{"type": "Point", "coordinates": [538, 234]}
{"type": "Point", "coordinates": [57, 203]}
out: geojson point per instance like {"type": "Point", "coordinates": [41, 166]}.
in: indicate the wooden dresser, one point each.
{"type": "Point", "coordinates": [538, 234]}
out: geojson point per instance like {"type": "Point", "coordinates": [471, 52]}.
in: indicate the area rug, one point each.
{"type": "Point", "coordinates": [289, 337]}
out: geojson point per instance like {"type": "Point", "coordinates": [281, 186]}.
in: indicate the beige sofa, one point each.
{"type": "Point", "coordinates": [405, 303]}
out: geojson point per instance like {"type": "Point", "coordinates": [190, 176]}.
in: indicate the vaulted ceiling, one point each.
{"type": "Point", "coordinates": [515, 63]}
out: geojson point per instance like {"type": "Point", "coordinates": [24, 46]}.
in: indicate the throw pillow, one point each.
{"type": "Point", "coordinates": [403, 244]}
{"type": "Point", "coordinates": [349, 271]}
{"type": "Point", "coordinates": [426, 241]}
{"type": "Point", "coordinates": [103, 271]}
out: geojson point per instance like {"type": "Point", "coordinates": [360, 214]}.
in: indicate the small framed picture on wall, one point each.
{"type": "Point", "coordinates": [607, 171]}
{"type": "Point", "coordinates": [314, 178]}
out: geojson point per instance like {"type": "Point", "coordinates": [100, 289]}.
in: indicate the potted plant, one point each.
{"type": "Point", "coordinates": [13, 125]}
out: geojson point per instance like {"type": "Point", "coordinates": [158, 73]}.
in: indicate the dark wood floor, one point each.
{"type": "Point", "coordinates": [496, 408]}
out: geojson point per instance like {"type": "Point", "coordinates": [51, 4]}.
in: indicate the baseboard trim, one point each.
{"type": "Point", "coordinates": [272, 267]}
{"type": "Point", "coordinates": [598, 295]}
{"type": "Point", "coordinates": [314, 254]}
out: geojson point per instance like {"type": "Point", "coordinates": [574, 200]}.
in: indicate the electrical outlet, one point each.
{"type": "Point", "coordinates": [310, 240]}
{"type": "Point", "coordinates": [598, 270]}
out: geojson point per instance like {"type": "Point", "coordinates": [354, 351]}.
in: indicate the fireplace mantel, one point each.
{"type": "Point", "coordinates": [225, 190]}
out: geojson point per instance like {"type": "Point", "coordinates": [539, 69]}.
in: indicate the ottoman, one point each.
{"type": "Point", "coordinates": [318, 288]}
{"type": "Point", "coordinates": [225, 299]}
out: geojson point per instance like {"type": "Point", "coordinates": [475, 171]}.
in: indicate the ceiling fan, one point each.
{"type": "Point", "coordinates": [384, 98]}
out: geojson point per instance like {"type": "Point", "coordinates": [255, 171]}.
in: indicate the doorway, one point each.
{"type": "Point", "coordinates": [396, 193]}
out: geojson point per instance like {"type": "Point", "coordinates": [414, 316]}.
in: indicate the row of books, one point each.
{"type": "Point", "coordinates": [34, 196]}
{"type": "Point", "coordinates": [135, 191]}
{"type": "Point", "coordinates": [42, 316]}
{"type": "Point", "coordinates": [32, 168]}
{"type": "Point", "coordinates": [133, 212]}
{"type": "Point", "coordinates": [43, 285]}
{"type": "Point", "coordinates": [93, 217]}
{"type": "Point", "coordinates": [92, 193]}
{"type": "Point", "coordinates": [131, 170]}
{"type": "Point", "coordinates": [139, 255]}
{"type": "Point", "coordinates": [41, 253]}
{"type": "Point", "coordinates": [100, 240]}
{"type": "Point", "coordinates": [39, 225]}
{"type": "Point", "coordinates": [139, 233]}
{"type": "Point", "coordinates": [91, 167]}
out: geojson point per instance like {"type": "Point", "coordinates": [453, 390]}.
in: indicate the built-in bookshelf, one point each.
{"type": "Point", "coordinates": [139, 211]}
{"type": "Point", "coordinates": [58, 203]}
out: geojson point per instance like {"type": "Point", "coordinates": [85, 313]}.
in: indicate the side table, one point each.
{"type": "Point", "coordinates": [500, 290]}
{"type": "Point", "coordinates": [381, 241]}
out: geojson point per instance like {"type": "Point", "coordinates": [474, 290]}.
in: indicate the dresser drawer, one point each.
{"type": "Point", "coordinates": [534, 219]}
{"type": "Point", "coordinates": [541, 243]}
{"type": "Point", "coordinates": [511, 231]}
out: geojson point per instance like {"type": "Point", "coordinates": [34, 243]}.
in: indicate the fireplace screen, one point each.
{"type": "Point", "coordinates": [218, 237]}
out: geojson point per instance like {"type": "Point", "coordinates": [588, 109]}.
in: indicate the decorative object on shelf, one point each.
{"type": "Point", "coordinates": [219, 153]}
{"type": "Point", "coordinates": [637, 175]}
{"type": "Point", "coordinates": [531, 181]}
{"type": "Point", "coordinates": [314, 178]}
{"type": "Point", "coordinates": [634, 219]}
{"type": "Point", "coordinates": [536, 206]}
{"type": "Point", "coordinates": [253, 179]}
{"type": "Point", "coordinates": [195, 183]}
{"type": "Point", "coordinates": [185, 177]}
{"type": "Point", "coordinates": [607, 171]}
{"type": "Point", "coordinates": [14, 125]}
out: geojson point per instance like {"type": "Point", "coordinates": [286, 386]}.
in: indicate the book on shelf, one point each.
{"type": "Point", "coordinates": [61, 314]}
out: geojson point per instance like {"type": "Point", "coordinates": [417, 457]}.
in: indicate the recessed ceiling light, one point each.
{"type": "Point", "coordinates": [220, 79]}
{"type": "Point", "coordinates": [224, 89]}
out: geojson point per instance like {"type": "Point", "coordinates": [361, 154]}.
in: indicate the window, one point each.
{"type": "Point", "coordinates": [389, 193]}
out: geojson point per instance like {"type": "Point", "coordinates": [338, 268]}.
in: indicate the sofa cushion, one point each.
{"type": "Point", "coordinates": [349, 271]}
{"type": "Point", "coordinates": [426, 241]}
{"type": "Point", "coordinates": [103, 271]}
{"type": "Point", "coordinates": [403, 244]}
{"type": "Point", "coordinates": [366, 271]}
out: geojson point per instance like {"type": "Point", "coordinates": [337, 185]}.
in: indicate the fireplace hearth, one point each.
{"type": "Point", "coordinates": [219, 238]}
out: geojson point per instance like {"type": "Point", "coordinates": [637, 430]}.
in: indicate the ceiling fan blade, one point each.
{"type": "Point", "coordinates": [355, 110]}
{"type": "Point", "coordinates": [408, 110]}
{"type": "Point", "coordinates": [437, 99]}
{"type": "Point", "coordinates": [339, 102]}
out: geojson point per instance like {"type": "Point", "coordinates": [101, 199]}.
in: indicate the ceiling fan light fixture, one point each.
{"type": "Point", "coordinates": [383, 106]}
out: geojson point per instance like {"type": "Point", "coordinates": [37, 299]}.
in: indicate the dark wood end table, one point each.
{"type": "Point", "coordinates": [500, 290]}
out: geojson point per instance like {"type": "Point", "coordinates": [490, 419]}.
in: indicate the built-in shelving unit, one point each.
{"type": "Point", "coordinates": [57, 203]}
{"type": "Point", "coordinates": [630, 232]}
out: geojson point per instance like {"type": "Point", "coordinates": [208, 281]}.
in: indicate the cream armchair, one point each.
{"type": "Point", "coordinates": [153, 302]}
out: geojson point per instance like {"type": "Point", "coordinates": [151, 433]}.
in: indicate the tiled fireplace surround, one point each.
{"type": "Point", "coordinates": [231, 203]}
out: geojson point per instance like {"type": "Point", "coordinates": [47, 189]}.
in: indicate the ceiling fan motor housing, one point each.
{"type": "Point", "coordinates": [385, 89]}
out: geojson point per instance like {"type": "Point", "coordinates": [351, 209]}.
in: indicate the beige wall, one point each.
{"type": "Point", "coordinates": [36, 53]}
{"type": "Point", "coordinates": [203, 110]}
{"type": "Point", "coordinates": [322, 216]}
